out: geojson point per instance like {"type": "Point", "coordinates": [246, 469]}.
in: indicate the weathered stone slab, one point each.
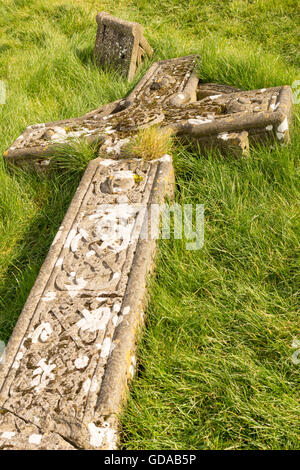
{"type": "Point", "coordinates": [121, 44]}
{"type": "Point", "coordinates": [71, 355]}
{"type": "Point", "coordinates": [167, 96]}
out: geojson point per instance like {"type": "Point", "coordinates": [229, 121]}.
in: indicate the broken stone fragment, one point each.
{"type": "Point", "coordinates": [234, 143]}
{"type": "Point", "coordinates": [120, 44]}
{"type": "Point", "coordinates": [228, 143]}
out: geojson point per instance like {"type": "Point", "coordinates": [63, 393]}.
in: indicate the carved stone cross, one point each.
{"type": "Point", "coordinates": [66, 369]}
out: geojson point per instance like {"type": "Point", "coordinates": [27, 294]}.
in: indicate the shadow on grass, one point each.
{"type": "Point", "coordinates": [32, 249]}
{"type": "Point", "coordinates": [85, 55]}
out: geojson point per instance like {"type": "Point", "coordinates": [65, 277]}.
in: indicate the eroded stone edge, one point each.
{"type": "Point", "coordinates": [119, 368]}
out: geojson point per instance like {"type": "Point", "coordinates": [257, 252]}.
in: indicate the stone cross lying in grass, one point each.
{"type": "Point", "coordinates": [72, 353]}
{"type": "Point", "coordinates": [169, 95]}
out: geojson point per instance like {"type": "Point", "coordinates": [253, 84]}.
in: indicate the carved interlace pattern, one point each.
{"type": "Point", "coordinates": [62, 358]}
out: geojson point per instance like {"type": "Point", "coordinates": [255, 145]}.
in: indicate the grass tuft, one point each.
{"type": "Point", "coordinates": [73, 158]}
{"type": "Point", "coordinates": [150, 143]}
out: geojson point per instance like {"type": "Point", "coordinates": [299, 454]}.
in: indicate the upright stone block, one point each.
{"type": "Point", "coordinates": [72, 352]}
{"type": "Point", "coordinates": [121, 44]}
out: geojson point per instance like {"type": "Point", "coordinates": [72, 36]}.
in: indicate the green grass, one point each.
{"type": "Point", "coordinates": [215, 368]}
{"type": "Point", "coordinates": [214, 363]}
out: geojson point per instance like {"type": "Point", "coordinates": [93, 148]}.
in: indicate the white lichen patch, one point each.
{"type": "Point", "coordinates": [109, 130]}
{"type": "Point", "coordinates": [166, 158]}
{"type": "Point", "coordinates": [49, 297]}
{"type": "Point", "coordinates": [57, 236]}
{"type": "Point", "coordinates": [122, 199]}
{"type": "Point", "coordinates": [223, 136]}
{"type": "Point", "coordinates": [2, 352]}
{"type": "Point", "coordinates": [8, 435]}
{"type": "Point", "coordinates": [131, 371]}
{"type": "Point", "coordinates": [42, 375]}
{"type": "Point", "coordinates": [282, 129]}
{"type": "Point", "coordinates": [70, 237]}
{"type": "Point", "coordinates": [35, 439]}
{"type": "Point", "coordinates": [77, 284]}
{"type": "Point", "coordinates": [103, 436]}
{"type": "Point", "coordinates": [86, 385]}
{"type": "Point", "coordinates": [126, 310]}
{"type": "Point", "coordinates": [132, 366]}
{"type": "Point", "coordinates": [105, 350]}
{"type": "Point", "coordinates": [75, 242]}
{"type": "Point", "coordinates": [94, 385]}
{"type": "Point", "coordinates": [95, 320]}
{"type": "Point", "coordinates": [17, 360]}
{"type": "Point", "coordinates": [283, 126]}
{"type": "Point", "coordinates": [61, 136]}
{"type": "Point", "coordinates": [42, 333]}
{"type": "Point", "coordinates": [107, 162]}
{"type": "Point", "coordinates": [84, 234]}
{"type": "Point", "coordinates": [201, 120]}
{"type": "Point", "coordinates": [90, 253]}
{"type": "Point", "coordinates": [214, 97]}
{"type": "Point", "coordinates": [81, 362]}
{"type": "Point", "coordinates": [116, 307]}
{"type": "Point", "coordinates": [274, 106]}
{"type": "Point", "coordinates": [59, 262]}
